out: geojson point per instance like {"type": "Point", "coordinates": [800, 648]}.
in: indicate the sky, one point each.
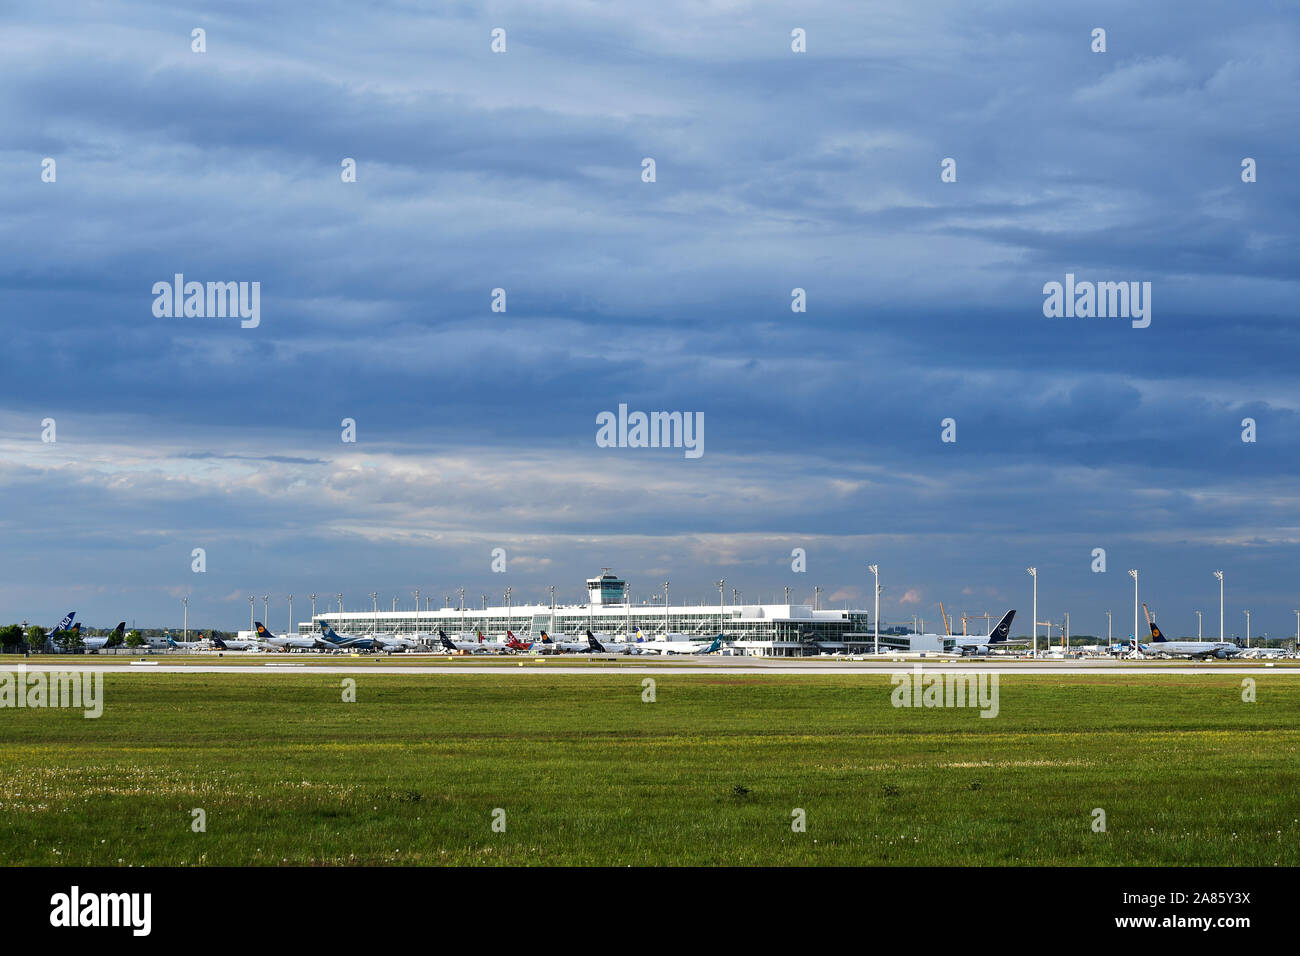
{"type": "Point", "coordinates": [774, 170]}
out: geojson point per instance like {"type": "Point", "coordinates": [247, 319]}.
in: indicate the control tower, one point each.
{"type": "Point", "coordinates": [606, 589]}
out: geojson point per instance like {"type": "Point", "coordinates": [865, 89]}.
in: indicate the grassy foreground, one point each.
{"type": "Point", "coordinates": [708, 774]}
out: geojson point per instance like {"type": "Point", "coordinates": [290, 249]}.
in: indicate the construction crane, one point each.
{"type": "Point", "coordinates": [946, 628]}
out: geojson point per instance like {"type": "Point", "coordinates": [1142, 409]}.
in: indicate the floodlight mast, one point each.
{"type": "Point", "coordinates": [875, 617]}
{"type": "Point", "coordinates": [1132, 572]}
{"type": "Point", "coordinates": [1219, 575]}
{"type": "Point", "coordinates": [1033, 573]}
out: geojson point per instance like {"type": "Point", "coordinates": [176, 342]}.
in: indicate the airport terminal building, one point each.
{"type": "Point", "coordinates": [773, 630]}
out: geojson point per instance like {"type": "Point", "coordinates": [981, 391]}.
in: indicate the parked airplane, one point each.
{"type": "Point", "coordinates": [200, 644]}
{"type": "Point", "coordinates": [470, 647]}
{"type": "Point", "coordinates": [981, 644]}
{"type": "Point", "coordinates": [347, 642]}
{"type": "Point", "coordinates": [99, 643]}
{"type": "Point", "coordinates": [64, 625]}
{"type": "Point", "coordinates": [685, 646]}
{"type": "Point", "coordinates": [1193, 649]}
{"type": "Point", "coordinates": [236, 644]}
{"type": "Point", "coordinates": [569, 647]}
{"type": "Point", "coordinates": [391, 642]}
{"type": "Point", "coordinates": [608, 646]}
{"type": "Point", "coordinates": [515, 644]}
{"type": "Point", "coordinates": [287, 643]}
{"type": "Point", "coordinates": [544, 645]}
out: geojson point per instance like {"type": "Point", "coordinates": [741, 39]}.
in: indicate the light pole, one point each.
{"type": "Point", "coordinates": [1065, 634]}
{"type": "Point", "coordinates": [1248, 627]}
{"type": "Point", "coordinates": [291, 627]}
{"type": "Point", "coordinates": [666, 610]}
{"type": "Point", "coordinates": [735, 597]}
{"type": "Point", "coordinates": [722, 586]}
{"type": "Point", "coordinates": [817, 595]}
{"type": "Point", "coordinates": [185, 603]}
{"type": "Point", "coordinates": [461, 592]}
{"type": "Point", "coordinates": [1108, 638]}
{"type": "Point", "coordinates": [507, 609]}
{"type": "Point", "coordinates": [1198, 626]}
{"type": "Point", "coordinates": [340, 597]}
{"type": "Point", "coordinates": [416, 592]}
{"type": "Point", "coordinates": [374, 598]}
{"type": "Point", "coordinates": [266, 608]}
{"type": "Point", "coordinates": [1297, 629]}
{"type": "Point", "coordinates": [787, 594]}
{"type": "Point", "coordinates": [313, 607]}
{"type": "Point", "coordinates": [1134, 575]}
{"type": "Point", "coordinates": [1033, 573]}
{"type": "Point", "coordinates": [551, 588]}
{"type": "Point", "coordinates": [627, 604]}
{"type": "Point", "coordinates": [1219, 575]}
{"type": "Point", "coordinates": [875, 618]}
{"type": "Point", "coordinates": [251, 599]}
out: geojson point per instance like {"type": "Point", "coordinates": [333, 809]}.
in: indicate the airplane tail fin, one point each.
{"type": "Point", "coordinates": [260, 630]}
{"type": "Point", "coordinates": [1003, 630]}
{"type": "Point", "coordinates": [445, 641]}
{"type": "Point", "coordinates": [64, 624]}
{"type": "Point", "coordinates": [1156, 634]}
{"type": "Point", "coordinates": [594, 644]}
{"type": "Point", "coordinates": [546, 638]}
{"type": "Point", "coordinates": [220, 644]}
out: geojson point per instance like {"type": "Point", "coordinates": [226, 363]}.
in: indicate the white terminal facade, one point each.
{"type": "Point", "coordinates": [781, 630]}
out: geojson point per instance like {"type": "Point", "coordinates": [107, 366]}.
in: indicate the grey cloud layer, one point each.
{"type": "Point", "coordinates": [775, 171]}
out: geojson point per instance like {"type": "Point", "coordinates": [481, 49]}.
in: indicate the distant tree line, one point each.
{"type": "Point", "coordinates": [15, 640]}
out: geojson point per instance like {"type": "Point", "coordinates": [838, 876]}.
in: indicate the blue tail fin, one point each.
{"type": "Point", "coordinates": [1003, 630]}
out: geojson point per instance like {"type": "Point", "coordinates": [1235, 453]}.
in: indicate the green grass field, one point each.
{"type": "Point", "coordinates": [708, 774]}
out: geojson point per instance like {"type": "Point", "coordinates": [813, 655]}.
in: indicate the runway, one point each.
{"type": "Point", "coordinates": [738, 666]}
